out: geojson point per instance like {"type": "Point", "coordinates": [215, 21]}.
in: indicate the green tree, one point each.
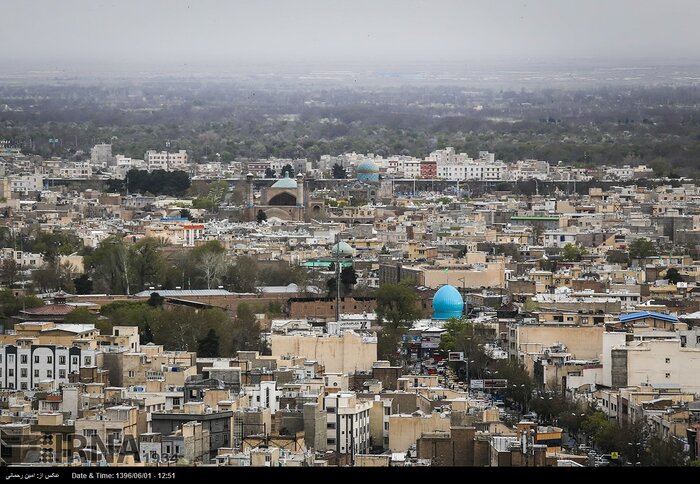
{"type": "Point", "coordinates": [54, 276]}
{"type": "Point", "coordinates": [80, 316]}
{"type": "Point", "coordinates": [146, 263]}
{"type": "Point", "coordinates": [520, 385]}
{"type": "Point", "coordinates": [642, 248]}
{"type": "Point", "coordinates": [246, 330]}
{"type": "Point", "coordinates": [466, 337]}
{"type": "Point", "coordinates": [348, 278]}
{"type": "Point", "coordinates": [573, 253]}
{"type": "Point", "coordinates": [208, 347]}
{"type": "Point", "coordinates": [530, 306]}
{"type": "Point", "coordinates": [11, 305]}
{"type": "Point", "coordinates": [397, 309]}
{"type": "Point", "coordinates": [146, 336]}
{"type": "Point", "coordinates": [673, 276]}
{"type": "Point", "coordinates": [9, 272]}
{"type": "Point", "coordinates": [109, 266]}
{"type": "Point", "coordinates": [338, 171]}
{"type": "Point", "coordinates": [242, 275]}
{"type": "Point", "coordinates": [660, 166]}
{"type": "Point", "coordinates": [155, 300]}
{"type": "Point", "coordinates": [536, 229]}
{"type": "Point", "coordinates": [83, 284]}
{"type": "Point", "coordinates": [615, 256]}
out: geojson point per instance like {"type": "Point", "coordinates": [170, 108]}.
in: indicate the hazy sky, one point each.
{"type": "Point", "coordinates": [347, 31]}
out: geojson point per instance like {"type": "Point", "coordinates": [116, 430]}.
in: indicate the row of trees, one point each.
{"type": "Point", "coordinates": [209, 332]}
{"type": "Point", "coordinates": [120, 266]}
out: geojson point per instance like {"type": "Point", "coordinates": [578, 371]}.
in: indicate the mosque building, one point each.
{"type": "Point", "coordinates": [286, 199]}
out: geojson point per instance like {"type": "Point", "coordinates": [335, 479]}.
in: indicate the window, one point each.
{"type": "Point", "coordinates": [11, 358]}
{"type": "Point", "coordinates": [23, 386]}
{"type": "Point", "coordinates": [89, 432]}
{"type": "Point", "coordinates": [49, 360]}
{"type": "Point", "coordinates": [74, 361]}
{"type": "Point", "coordinates": [11, 372]}
{"type": "Point", "coordinates": [23, 373]}
{"type": "Point", "coordinates": [330, 409]}
{"type": "Point", "coordinates": [88, 361]}
{"type": "Point", "coordinates": [330, 425]}
{"type": "Point", "coordinates": [23, 359]}
{"type": "Point", "coordinates": [36, 358]}
{"type": "Point", "coordinates": [668, 375]}
{"type": "Point", "coordinates": [132, 373]}
{"type": "Point", "coordinates": [36, 373]}
{"type": "Point", "coordinates": [61, 360]}
{"type": "Point", "coordinates": [176, 402]}
{"type": "Point", "coordinates": [49, 374]}
{"type": "Point", "coordinates": [668, 360]}
{"type": "Point", "coordinates": [61, 373]}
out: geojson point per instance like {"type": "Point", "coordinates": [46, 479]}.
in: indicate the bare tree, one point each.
{"type": "Point", "coordinates": [213, 266]}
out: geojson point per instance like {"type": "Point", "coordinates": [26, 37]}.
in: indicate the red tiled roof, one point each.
{"type": "Point", "coordinates": [51, 309]}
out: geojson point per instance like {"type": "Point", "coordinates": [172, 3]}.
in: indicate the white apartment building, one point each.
{"type": "Point", "coordinates": [347, 423]}
{"type": "Point", "coordinates": [654, 362]}
{"type": "Point", "coordinates": [26, 183]}
{"type": "Point", "coordinates": [485, 170]}
{"type": "Point", "coordinates": [25, 365]}
{"type": "Point", "coordinates": [264, 395]}
{"type": "Point", "coordinates": [528, 169]}
{"type": "Point", "coordinates": [164, 160]}
{"type": "Point", "coordinates": [411, 168]}
{"type": "Point", "coordinates": [451, 171]}
{"type": "Point", "coordinates": [558, 238]}
{"type": "Point", "coordinates": [24, 260]}
{"type": "Point", "coordinates": [75, 170]}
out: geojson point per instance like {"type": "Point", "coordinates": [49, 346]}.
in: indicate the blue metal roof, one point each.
{"type": "Point", "coordinates": [647, 314]}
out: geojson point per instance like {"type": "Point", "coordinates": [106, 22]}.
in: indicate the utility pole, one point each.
{"type": "Point", "coordinates": [337, 278]}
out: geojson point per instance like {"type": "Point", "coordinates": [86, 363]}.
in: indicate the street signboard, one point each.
{"type": "Point", "coordinates": [455, 356]}
{"type": "Point", "coordinates": [495, 383]}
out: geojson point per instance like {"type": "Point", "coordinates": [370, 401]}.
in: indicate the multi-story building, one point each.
{"type": "Point", "coordinates": [101, 154]}
{"type": "Point", "coordinates": [347, 423]}
{"type": "Point", "coordinates": [27, 364]}
{"type": "Point", "coordinates": [165, 160]}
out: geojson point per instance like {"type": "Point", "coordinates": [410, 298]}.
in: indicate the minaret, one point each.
{"type": "Point", "coordinates": [249, 179]}
{"type": "Point", "coordinates": [300, 190]}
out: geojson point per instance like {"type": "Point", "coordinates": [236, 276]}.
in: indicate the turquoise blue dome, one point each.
{"type": "Point", "coordinates": [367, 171]}
{"type": "Point", "coordinates": [285, 182]}
{"type": "Point", "coordinates": [447, 303]}
{"type": "Point", "coordinates": [367, 166]}
{"type": "Point", "coordinates": [342, 249]}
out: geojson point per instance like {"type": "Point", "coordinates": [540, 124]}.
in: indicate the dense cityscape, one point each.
{"type": "Point", "coordinates": [323, 263]}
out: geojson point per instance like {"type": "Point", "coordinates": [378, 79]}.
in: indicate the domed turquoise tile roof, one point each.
{"type": "Point", "coordinates": [285, 182]}
{"type": "Point", "coordinates": [447, 303]}
{"type": "Point", "coordinates": [342, 249]}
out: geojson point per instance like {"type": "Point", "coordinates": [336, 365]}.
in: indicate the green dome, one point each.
{"type": "Point", "coordinates": [285, 182]}
{"type": "Point", "coordinates": [342, 249]}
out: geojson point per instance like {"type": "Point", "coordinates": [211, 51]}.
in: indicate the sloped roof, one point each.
{"type": "Point", "coordinates": [647, 314]}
